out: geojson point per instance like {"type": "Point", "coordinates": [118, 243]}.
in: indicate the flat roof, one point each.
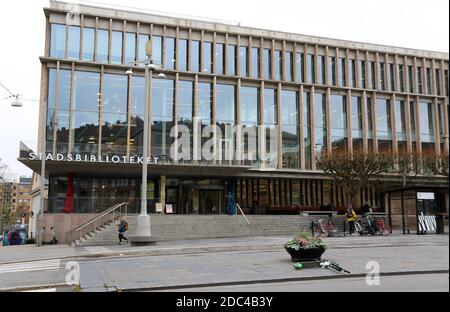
{"type": "Point", "coordinates": [222, 27]}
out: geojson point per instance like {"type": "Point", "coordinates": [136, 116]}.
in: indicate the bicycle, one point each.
{"type": "Point", "coordinates": [320, 229]}
{"type": "Point", "coordinates": [381, 227]}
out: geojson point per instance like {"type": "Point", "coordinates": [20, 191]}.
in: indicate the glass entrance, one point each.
{"type": "Point", "coordinates": [201, 201]}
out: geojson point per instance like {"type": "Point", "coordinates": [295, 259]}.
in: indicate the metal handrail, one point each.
{"type": "Point", "coordinates": [76, 233]}
{"type": "Point", "coordinates": [248, 222]}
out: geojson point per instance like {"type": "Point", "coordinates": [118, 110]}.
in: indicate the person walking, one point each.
{"type": "Point", "coordinates": [123, 227]}
{"type": "Point", "coordinates": [351, 217]}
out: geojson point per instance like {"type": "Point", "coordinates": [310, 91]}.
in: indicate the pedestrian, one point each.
{"type": "Point", "coordinates": [123, 227]}
{"type": "Point", "coordinates": [351, 217]}
{"type": "Point", "coordinates": [366, 209]}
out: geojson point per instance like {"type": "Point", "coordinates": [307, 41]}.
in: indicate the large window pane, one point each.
{"type": "Point", "coordinates": [226, 103]}
{"type": "Point", "coordinates": [114, 134]}
{"type": "Point", "coordinates": [426, 122]}
{"type": "Point", "coordinates": [362, 74]}
{"type": "Point", "coordinates": [383, 110]}
{"type": "Point", "coordinates": [320, 122]}
{"type": "Point", "coordinates": [289, 66]}
{"type": "Point", "coordinates": [169, 55]}
{"type": "Point", "coordinates": [289, 114]}
{"type": "Point", "coordinates": [163, 97]}
{"type": "Point", "coordinates": [243, 57]}
{"type": "Point", "coordinates": [115, 94]}
{"type": "Point", "coordinates": [182, 54]}
{"type": "Point", "coordinates": [338, 117]}
{"type": "Point", "coordinates": [321, 69]}
{"type": "Point", "coordinates": [207, 46]}
{"type": "Point", "coordinates": [429, 81]}
{"type": "Point", "coordinates": [185, 101]}
{"type": "Point", "coordinates": [332, 70]}
{"type": "Point", "coordinates": [356, 117]}
{"type": "Point", "coordinates": [267, 64]}
{"type": "Point", "coordinates": [88, 44]}
{"type": "Point", "coordinates": [141, 48]}
{"type": "Point", "coordinates": [400, 120]}
{"type": "Point", "coordinates": [86, 91]}
{"type": "Point", "coordinates": [137, 114]}
{"type": "Point", "coordinates": [352, 73]}
{"type": "Point", "coordinates": [300, 63]}
{"type": "Point", "coordinates": [204, 102]}
{"type": "Point", "coordinates": [130, 48]}
{"type": "Point", "coordinates": [401, 78]}
{"type": "Point", "coordinates": [73, 42]}
{"type": "Point", "coordinates": [156, 50]}
{"type": "Point", "coordinates": [255, 62]}
{"type": "Point", "coordinates": [392, 76]}
{"type": "Point", "coordinates": [231, 60]}
{"type": "Point", "coordinates": [220, 59]}
{"type": "Point", "coordinates": [64, 83]}
{"type": "Point", "coordinates": [116, 47]}
{"type": "Point", "coordinates": [278, 65]}
{"type": "Point", "coordinates": [307, 128]}
{"type": "Point", "coordinates": [102, 45]}
{"type": "Point", "coordinates": [270, 106]}
{"type": "Point", "coordinates": [58, 41]}
{"type": "Point", "coordinates": [369, 117]}
{"type": "Point", "coordinates": [382, 76]}
{"type": "Point", "coordinates": [195, 56]}
{"type": "Point", "coordinates": [311, 76]}
{"type": "Point", "coordinates": [249, 105]}
{"type": "Point", "coordinates": [289, 108]}
{"type": "Point", "coordinates": [372, 83]}
{"type": "Point", "coordinates": [342, 73]}
{"type": "Point", "coordinates": [420, 80]}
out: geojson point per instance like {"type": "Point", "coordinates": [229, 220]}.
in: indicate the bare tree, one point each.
{"type": "Point", "coordinates": [354, 172]}
{"type": "Point", "coordinates": [438, 165]}
{"type": "Point", "coordinates": [407, 166]}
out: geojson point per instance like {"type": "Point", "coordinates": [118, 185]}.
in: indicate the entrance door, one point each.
{"type": "Point", "coordinates": [210, 202]}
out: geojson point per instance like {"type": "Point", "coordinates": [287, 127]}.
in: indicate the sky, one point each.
{"type": "Point", "coordinates": [419, 24]}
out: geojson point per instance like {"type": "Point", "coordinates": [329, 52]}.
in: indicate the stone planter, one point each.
{"type": "Point", "coordinates": [305, 254]}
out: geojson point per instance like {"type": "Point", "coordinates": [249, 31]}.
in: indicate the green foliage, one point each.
{"type": "Point", "coordinates": [305, 241]}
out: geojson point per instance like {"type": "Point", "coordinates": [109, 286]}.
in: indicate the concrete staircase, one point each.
{"type": "Point", "coordinates": [181, 227]}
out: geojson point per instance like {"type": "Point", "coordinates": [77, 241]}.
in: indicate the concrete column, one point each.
{"type": "Point", "coordinates": [162, 191]}
{"type": "Point", "coordinates": [177, 46]}
{"type": "Point", "coordinates": [437, 136]}
{"type": "Point", "coordinates": [129, 105]}
{"type": "Point", "coordinates": [81, 36]}
{"type": "Point", "coordinates": [238, 57]}
{"type": "Point", "coordinates": [396, 74]}
{"type": "Point", "coordinates": [96, 39]}
{"type": "Point", "coordinates": [196, 130]}
{"type": "Point", "coordinates": [394, 126]}
{"type": "Point", "coordinates": [367, 70]}
{"type": "Point", "coordinates": [100, 121]}
{"type": "Point", "coordinates": [176, 110]}
{"type": "Point", "coordinates": [283, 57]}
{"type": "Point", "coordinates": [405, 75]}
{"type": "Point", "coordinates": [408, 126]}
{"type": "Point", "coordinates": [262, 132]}
{"type": "Point", "coordinates": [424, 76]}
{"type": "Point", "coordinates": [313, 129]}
{"type": "Point", "coordinates": [280, 143]}
{"type": "Point", "coordinates": [316, 65]}
{"type": "Point", "coordinates": [124, 41]}
{"type": "Point", "coordinates": [110, 40]}
{"type": "Point", "coordinates": [72, 95]}
{"type": "Point", "coordinates": [377, 82]}
{"type": "Point", "coordinates": [418, 138]}
{"type": "Point", "coordinates": [374, 121]}
{"type": "Point", "coordinates": [358, 71]}
{"type": "Point", "coordinates": [444, 86]}
{"type": "Point", "coordinates": [225, 55]}
{"type": "Point", "coordinates": [364, 119]}
{"type": "Point", "coordinates": [272, 61]}
{"type": "Point", "coordinates": [349, 122]}
{"type": "Point", "coordinates": [250, 57]}
{"type": "Point", "coordinates": [329, 146]}
{"type": "Point", "coordinates": [239, 150]}
{"type": "Point", "coordinates": [294, 63]}
{"type": "Point", "coordinates": [446, 130]}
{"type": "Point", "coordinates": [305, 61]}
{"type": "Point", "coordinates": [261, 60]}
{"type": "Point", "coordinates": [202, 52]}
{"type": "Point", "coordinates": [189, 51]}
{"type": "Point", "coordinates": [386, 72]}
{"type": "Point", "coordinates": [434, 78]}
{"type": "Point", "coordinates": [338, 69]}
{"type": "Point", "coordinates": [347, 64]}
{"type": "Point", "coordinates": [301, 125]}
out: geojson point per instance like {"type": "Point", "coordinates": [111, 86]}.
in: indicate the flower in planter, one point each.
{"type": "Point", "coordinates": [305, 241]}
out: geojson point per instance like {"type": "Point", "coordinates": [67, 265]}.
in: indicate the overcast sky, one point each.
{"type": "Point", "coordinates": [420, 24]}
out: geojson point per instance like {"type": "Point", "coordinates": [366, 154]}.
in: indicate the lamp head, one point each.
{"type": "Point", "coordinates": [16, 102]}
{"type": "Point", "coordinates": [129, 72]}
{"type": "Point", "coordinates": [161, 75]}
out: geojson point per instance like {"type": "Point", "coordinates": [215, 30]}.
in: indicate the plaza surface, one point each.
{"type": "Point", "coordinates": [218, 263]}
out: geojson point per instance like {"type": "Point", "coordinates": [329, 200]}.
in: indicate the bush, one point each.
{"type": "Point", "coordinates": [305, 241]}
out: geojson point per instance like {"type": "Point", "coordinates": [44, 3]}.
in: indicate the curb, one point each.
{"type": "Point", "coordinates": [281, 280]}
{"type": "Point", "coordinates": [36, 287]}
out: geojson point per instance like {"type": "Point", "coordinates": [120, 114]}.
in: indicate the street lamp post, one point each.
{"type": "Point", "coordinates": [143, 230]}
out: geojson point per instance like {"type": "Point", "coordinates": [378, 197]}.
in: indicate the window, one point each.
{"type": "Point", "coordinates": [249, 121]}
{"type": "Point", "coordinates": [195, 56]}
{"type": "Point", "coordinates": [392, 76]}
{"type": "Point", "coordinates": [58, 41]}
{"type": "Point", "coordinates": [141, 48]}
{"type": "Point", "coordinates": [185, 102]}
{"type": "Point", "coordinates": [420, 80]}
{"type": "Point", "coordinates": [429, 81]}
{"type": "Point", "coordinates": [289, 69]}
{"type": "Point", "coordinates": [412, 109]}
{"type": "Point", "coordinates": [115, 94]}
{"type": "Point", "coordinates": [331, 71]}
{"type": "Point", "coordinates": [231, 60]}
{"type": "Point", "coordinates": [411, 78]}
{"type": "Point", "coordinates": [372, 82]}
{"type": "Point", "coordinates": [357, 129]}
{"type": "Point", "coordinates": [207, 46]}
{"type": "Point", "coordinates": [290, 146]}
{"type": "Point", "coordinates": [382, 76]}
{"type": "Point", "coordinates": [401, 78]}
{"type": "Point", "coordinates": [204, 102]}
{"type": "Point", "coordinates": [226, 103]}
{"type": "Point", "coordinates": [270, 120]}
{"type": "Point", "coordinates": [384, 128]}
{"type": "Point", "coordinates": [73, 42]}
{"type": "Point", "coordinates": [182, 54]}
{"type": "Point", "coordinates": [342, 76]}
{"type": "Point", "coordinates": [267, 64]}
{"type": "Point", "coordinates": [255, 62]}
{"type": "Point", "coordinates": [446, 82]}
{"type": "Point", "coordinates": [163, 98]}
{"type": "Point", "coordinates": [362, 74]}
{"type": "Point", "coordinates": [220, 61]}
{"type": "Point", "coordinates": [116, 47]}
{"type": "Point", "coordinates": [102, 45]}
{"type": "Point", "coordinates": [243, 57]}
{"type": "Point", "coordinates": [157, 49]}
{"type": "Point", "coordinates": [438, 81]}
{"type": "Point", "coordinates": [311, 65]}
{"type": "Point", "coordinates": [352, 73]}
{"type": "Point", "coordinates": [278, 65]}
{"type": "Point", "coordinates": [321, 67]}
{"type": "Point", "coordinates": [338, 118]}
{"type": "Point", "coordinates": [426, 122]}
{"type": "Point", "coordinates": [86, 91]}
{"type": "Point", "coordinates": [369, 116]}
{"type": "Point", "coordinates": [300, 63]}
{"type": "Point", "coordinates": [400, 120]}
{"type": "Point", "coordinates": [320, 122]}
{"type": "Point", "coordinates": [130, 48]}
{"type": "Point", "coordinates": [169, 55]}
{"type": "Point", "coordinates": [88, 44]}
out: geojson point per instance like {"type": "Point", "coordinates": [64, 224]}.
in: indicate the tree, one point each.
{"type": "Point", "coordinates": [438, 165]}
{"type": "Point", "coordinates": [355, 172]}
{"type": "Point", "coordinates": [407, 167]}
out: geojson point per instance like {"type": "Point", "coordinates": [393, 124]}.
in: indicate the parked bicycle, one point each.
{"type": "Point", "coordinates": [382, 227]}
{"type": "Point", "coordinates": [321, 228]}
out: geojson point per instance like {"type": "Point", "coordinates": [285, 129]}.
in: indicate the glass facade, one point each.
{"type": "Point", "coordinates": [195, 56]}
{"type": "Point", "coordinates": [182, 53]}
{"type": "Point", "coordinates": [320, 123]}
{"type": "Point", "coordinates": [342, 73]}
{"type": "Point", "coordinates": [102, 45]}
{"type": "Point", "coordinates": [169, 54]}
{"type": "Point", "coordinates": [300, 63]}
{"type": "Point", "coordinates": [243, 61]}
{"type": "Point", "coordinates": [278, 69]}
{"type": "Point", "coordinates": [321, 67]}
{"type": "Point", "coordinates": [73, 42]}
{"type": "Point", "coordinates": [289, 58]}
{"type": "Point", "coordinates": [311, 66]}
{"type": "Point", "coordinates": [88, 44]}
{"type": "Point", "coordinates": [290, 131]}
{"type": "Point", "coordinates": [267, 64]}
{"type": "Point", "coordinates": [338, 121]}
{"type": "Point", "coordinates": [130, 48]}
{"type": "Point", "coordinates": [256, 62]}
{"type": "Point", "coordinates": [116, 47]}
{"type": "Point", "coordinates": [332, 71]}
{"type": "Point", "coordinates": [58, 41]}
{"type": "Point", "coordinates": [231, 60]}
{"type": "Point", "coordinates": [220, 58]}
